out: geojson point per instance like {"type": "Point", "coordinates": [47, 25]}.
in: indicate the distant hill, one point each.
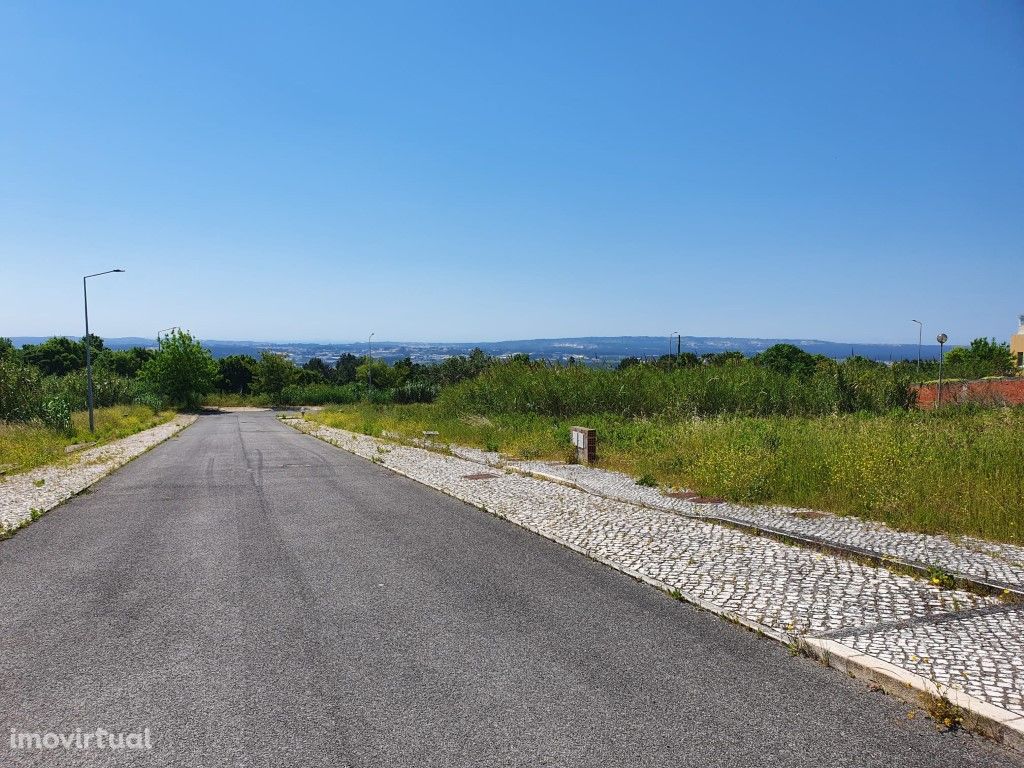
{"type": "Point", "coordinates": [594, 350]}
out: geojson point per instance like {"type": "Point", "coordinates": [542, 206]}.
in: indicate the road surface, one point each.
{"type": "Point", "coordinates": [255, 597]}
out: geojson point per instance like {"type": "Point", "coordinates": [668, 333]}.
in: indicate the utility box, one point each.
{"type": "Point", "coordinates": [584, 440]}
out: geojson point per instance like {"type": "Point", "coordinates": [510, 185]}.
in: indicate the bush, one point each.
{"type": "Point", "coordinates": [787, 359]}
{"type": "Point", "coordinates": [24, 396]}
{"type": "Point", "coordinates": [272, 373]}
{"type": "Point", "coordinates": [19, 390]}
{"type": "Point", "coordinates": [148, 399]}
{"type": "Point", "coordinates": [319, 394]}
{"type": "Point", "coordinates": [414, 392]}
{"type": "Point", "coordinates": [182, 371]}
{"type": "Point", "coordinates": [645, 391]}
{"type": "Point", "coordinates": [55, 413]}
{"type": "Point", "coordinates": [107, 389]}
{"type": "Point", "coordinates": [236, 372]}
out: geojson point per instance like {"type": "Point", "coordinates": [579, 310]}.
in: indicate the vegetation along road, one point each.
{"type": "Point", "coordinates": [254, 596]}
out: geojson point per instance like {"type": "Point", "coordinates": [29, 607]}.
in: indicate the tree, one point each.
{"type": "Point", "coordinates": [345, 368]}
{"type": "Point", "coordinates": [124, 362]}
{"type": "Point", "coordinates": [452, 370]}
{"type": "Point", "coordinates": [788, 360]}
{"type": "Point", "coordinates": [984, 357]}
{"type": "Point", "coordinates": [317, 366]}
{"type": "Point", "coordinates": [236, 373]}
{"type": "Point", "coordinates": [7, 349]}
{"type": "Point", "coordinates": [272, 373]}
{"type": "Point", "coordinates": [384, 376]}
{"type": "Point", "coordinates": [59, 355]}
{"type": "Point", "coordinates": [182, 371]}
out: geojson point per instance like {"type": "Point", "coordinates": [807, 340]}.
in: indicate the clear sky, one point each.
{"type": "Point", "coordinates": [495, 170]}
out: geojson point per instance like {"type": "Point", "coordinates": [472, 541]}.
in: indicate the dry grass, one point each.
{"type": "Point", "coordinates": [23, 446]}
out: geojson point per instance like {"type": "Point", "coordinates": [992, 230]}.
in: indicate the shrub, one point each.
{"type": "Point", "coordinates": [107, 389]}
{"type": "Point", "coordinates": [787, 359]}
{"type": "Point", "coordinates": [19, 390]}
{"type": "Point", "coordinates": [55, 413]}
{"type": "Point", "coordinates": [182, 371]}
{"type": "Point", "coordinates": [236, 373]}
{"type": "Point", "coordinates": [148, 399]}
{"type": "Point", "coordinates": [272, 373]}
{"type": "Point", "coordinates": [59, 355]}
{"type": "Point", "coordinates": [414, 392]}
{"type": "Point", "coordinates": [319, 394]}
{"type": "Point", "coordinates": [644, 391]}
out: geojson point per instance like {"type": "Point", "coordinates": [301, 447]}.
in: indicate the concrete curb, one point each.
{"type": "Point", "coordinates": [996, 723]}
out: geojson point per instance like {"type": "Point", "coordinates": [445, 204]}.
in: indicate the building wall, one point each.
{"type": "Point", "coordinates": [1017, 347]}
{"type": "Point", "coordinates": [989, 392]}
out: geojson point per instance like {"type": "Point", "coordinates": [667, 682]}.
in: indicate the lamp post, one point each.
{"type": "Point", "coordinates": [165, 330]}
{"type": "Point", "coordinates": [369, 362]}
{"type": "Point", "coordinates": [88, 354]}
{"type": "Point", "coordinates": [920, 332]}
{"type": "Point", "coordinates": [942, 339]}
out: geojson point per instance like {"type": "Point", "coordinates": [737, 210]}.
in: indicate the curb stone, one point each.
{"type": "Point", "coordinates": [996, 723]}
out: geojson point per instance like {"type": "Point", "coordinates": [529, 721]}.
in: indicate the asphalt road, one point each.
{"type": "Point", "coordinates": [256, 597]}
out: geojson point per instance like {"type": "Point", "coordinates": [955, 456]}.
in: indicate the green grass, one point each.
{"type": "Point", "coordinates": [646, 392]}
{"type": "Point", "coordinates": [25, 446]}
{"type": "Point", "coordinates": [956, 471]}
{"type": "Point", "coordinates": [231, 400]}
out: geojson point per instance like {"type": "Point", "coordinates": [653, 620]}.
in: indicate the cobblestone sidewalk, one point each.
{"type": "Point", "coordinates": [1000, 565]}
{"type": "Point", "coordinates": [45, 487]}
{"type": "Point", "coordinates": [963, 643]}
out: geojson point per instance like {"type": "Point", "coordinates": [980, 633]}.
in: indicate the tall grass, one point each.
{"type": "Point", "coordinates": [24, 446]}
{"type": "Point", "coordinates": [235, 400]}
{"type": "Point", "coordinates": [645, 391]}
{"type": "Point", "coordinates": [959, 471]}
{"type": "Point", "coordinates": [108, 389]}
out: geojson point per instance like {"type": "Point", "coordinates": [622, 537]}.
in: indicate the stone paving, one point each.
{"type": "Point", "coordinates": [787, 591]}
{"type": "Point", "coordinates": [987, 561]}
{"type": "Point", "coordinates": [45, 487]}
{"type": "Point", "coordinates": [980, 654]}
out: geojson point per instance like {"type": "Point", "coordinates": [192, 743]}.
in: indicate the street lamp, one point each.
{"type": "Point", "coordinates": [165, 330]}
{"type": "Point", "coordinates": [920, 332]}
{"type": "Point", "coordinates": [942, 339]}
{"type": "Point", "coordinates": [369, 362]}
{"type": "Point", "coordinates": [88, 355]}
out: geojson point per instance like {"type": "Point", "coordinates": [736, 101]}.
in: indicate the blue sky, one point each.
{"type": "Point", "coordinates": [486, 170]}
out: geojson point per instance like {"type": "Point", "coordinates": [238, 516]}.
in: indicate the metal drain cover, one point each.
{"type": "Point", "coordinates": [481, 476]}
